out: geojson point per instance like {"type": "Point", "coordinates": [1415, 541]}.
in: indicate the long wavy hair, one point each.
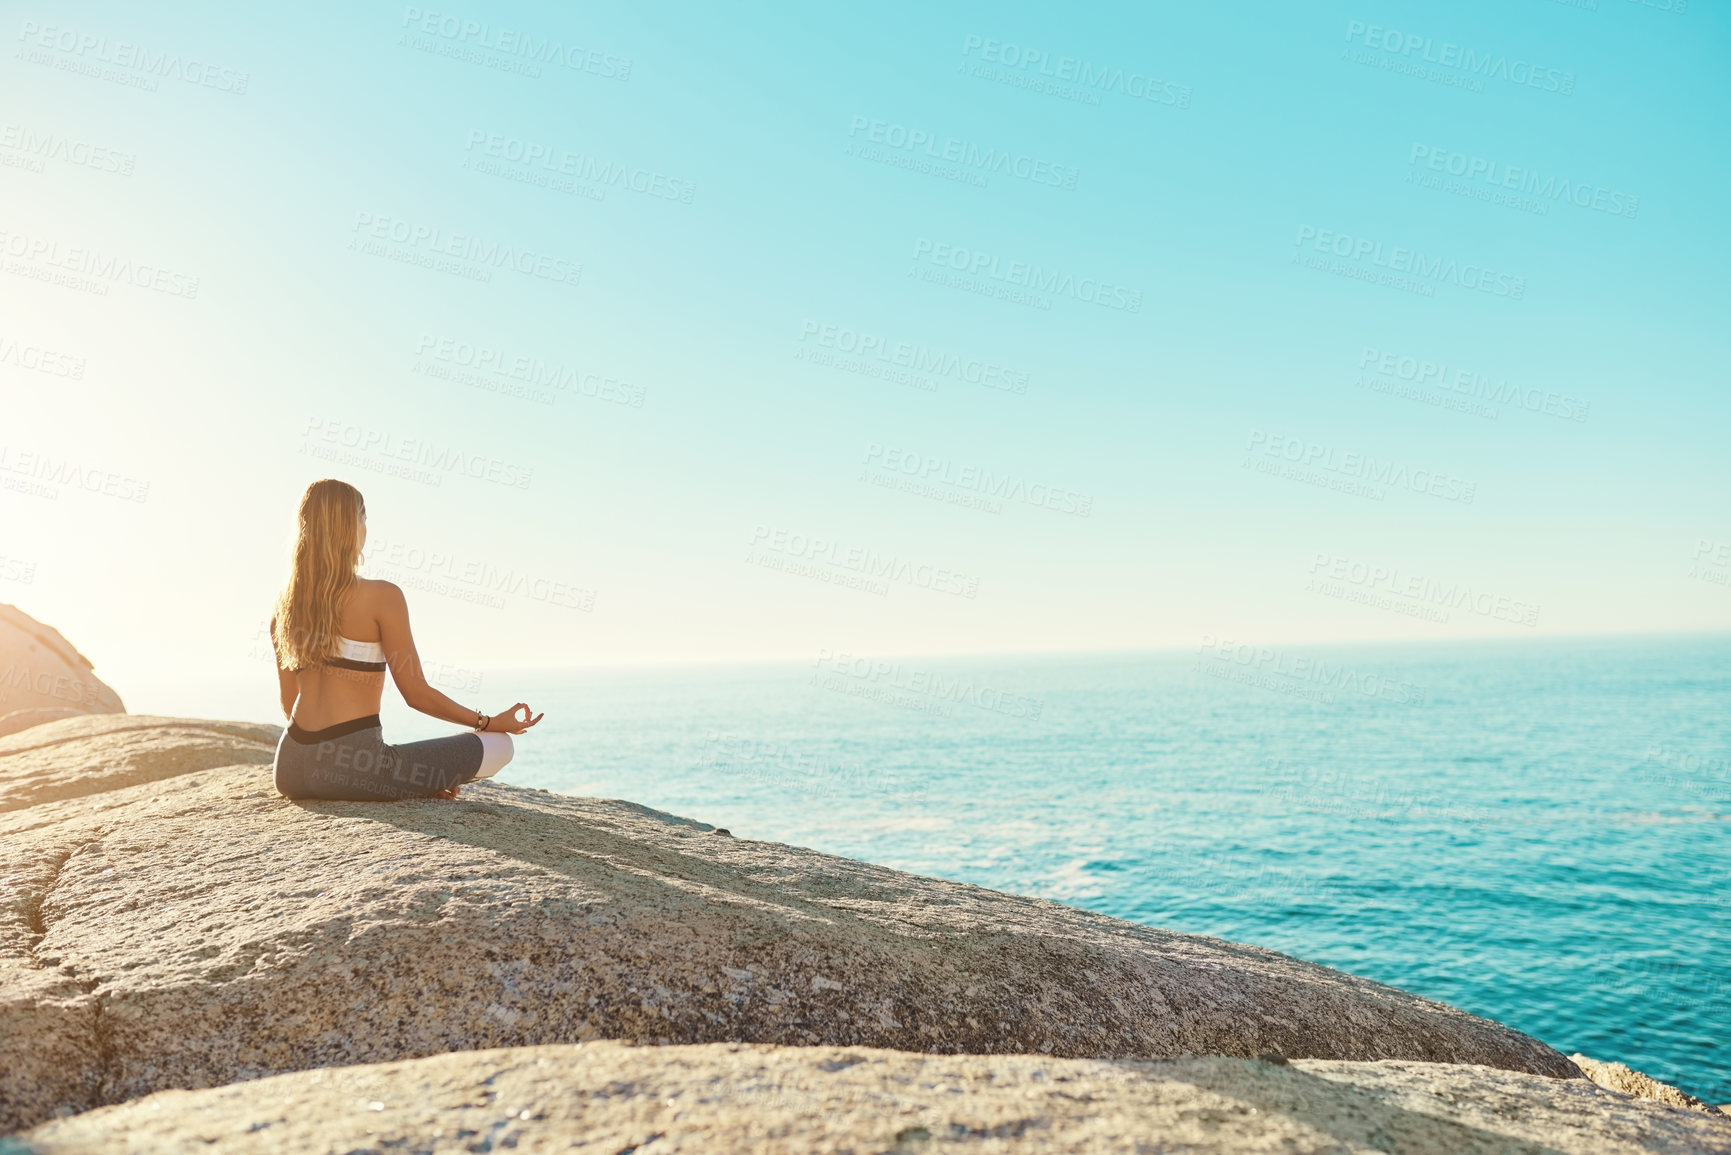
{"type": "Point", "coordinates": [327, 553]}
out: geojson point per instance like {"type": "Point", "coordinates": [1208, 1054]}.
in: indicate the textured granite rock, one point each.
{"type": "Point", "coordinates": [43, 678]}
{"type": "Point", "coordinates": [92, 753]}
{"type": "Point", "coordinates": [720, 1098]}
{"type": "Point", "coordinates": [201, 929]}
{"type": "Point", "coordinates": [1621, 1077]}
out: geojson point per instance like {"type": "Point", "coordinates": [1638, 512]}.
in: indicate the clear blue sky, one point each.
{"type": "Point", "coordinates": [1318, 223]}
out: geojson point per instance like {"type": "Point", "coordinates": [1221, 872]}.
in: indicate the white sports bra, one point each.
{"type": "Point", "coordinates": [353, 655]}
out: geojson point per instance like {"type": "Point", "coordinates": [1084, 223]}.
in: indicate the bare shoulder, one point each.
{"type": "Point", "coordinates": [382, 603]}
{"type": "Point", "coordinates": [377, 595]}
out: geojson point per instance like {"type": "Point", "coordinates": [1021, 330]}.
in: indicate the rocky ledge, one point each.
{"type": "Point", "coordinates": [729, 1097]}
{"type": "Point", "coordinates": [168, 921]}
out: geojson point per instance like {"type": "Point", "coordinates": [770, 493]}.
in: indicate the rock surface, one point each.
{"type": "Point", "coordinates": [1621, 1077]}
{"type": "Point", "coordinates": [718, 1098]}
{"type": "Point", "coordinates": [201, 929]}
{"type": "Point", "coordinates": [43, 678]}
{"type": "Point", "coordinates": [93, 753]}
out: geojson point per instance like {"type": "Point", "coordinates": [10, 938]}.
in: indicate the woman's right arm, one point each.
{"type": "Point", "coordinates": [392, 613]}
{"type": "Point", "coordinates": [287, 685]}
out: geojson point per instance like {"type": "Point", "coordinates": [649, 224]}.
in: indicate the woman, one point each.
{"type": "Point", "coordinates": [335, 633]}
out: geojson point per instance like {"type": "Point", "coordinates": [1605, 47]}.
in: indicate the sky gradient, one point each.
{"type": "Point", "coordinates": [657, 334]}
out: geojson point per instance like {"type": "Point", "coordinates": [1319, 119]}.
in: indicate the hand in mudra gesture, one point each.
{"type": "Point", "coordinates": [505, 722]}
{"type": "Point", "coordinates": [508, 722]}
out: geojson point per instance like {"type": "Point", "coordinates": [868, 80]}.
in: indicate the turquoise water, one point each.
{"type": "Point", "coordinates": [1534, 832]}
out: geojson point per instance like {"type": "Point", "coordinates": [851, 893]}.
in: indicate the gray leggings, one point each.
{"type": "Point", "coordinates": [351, 761]}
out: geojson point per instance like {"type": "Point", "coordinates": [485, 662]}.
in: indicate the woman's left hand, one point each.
{"type": "Point", "coordinates": [507, 721]}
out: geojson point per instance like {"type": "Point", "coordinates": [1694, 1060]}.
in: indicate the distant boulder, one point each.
{"type": "Point", "coordinates": [43, 678]}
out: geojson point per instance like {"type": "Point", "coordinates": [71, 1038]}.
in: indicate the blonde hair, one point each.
{"type": "Point", "coordinates": [327, 552]}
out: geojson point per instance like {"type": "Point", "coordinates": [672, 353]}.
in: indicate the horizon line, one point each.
{"type": "Point", "coordinates": [1120, 651]}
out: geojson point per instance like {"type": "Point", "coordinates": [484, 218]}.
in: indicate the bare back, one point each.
{"type": "Point", "coordinates": [332, 694]}
{"type": "Point", "coordinates": [376, 611]}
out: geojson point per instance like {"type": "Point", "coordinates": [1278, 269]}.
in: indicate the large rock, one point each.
{"type": "Point", "coordinates": [720, 1098]}
{"type": "Point", "coordinates": [201, 929]}
{"type": "Point", "coordinates": [1622, 1077]}
{"type": "Point", "coordinates": [93, 753]}
{"type": "Point", "coordinates": [43, 678]}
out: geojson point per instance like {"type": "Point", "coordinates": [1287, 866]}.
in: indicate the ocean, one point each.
{"type": "Point", "coordinates": [1536, 832]}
